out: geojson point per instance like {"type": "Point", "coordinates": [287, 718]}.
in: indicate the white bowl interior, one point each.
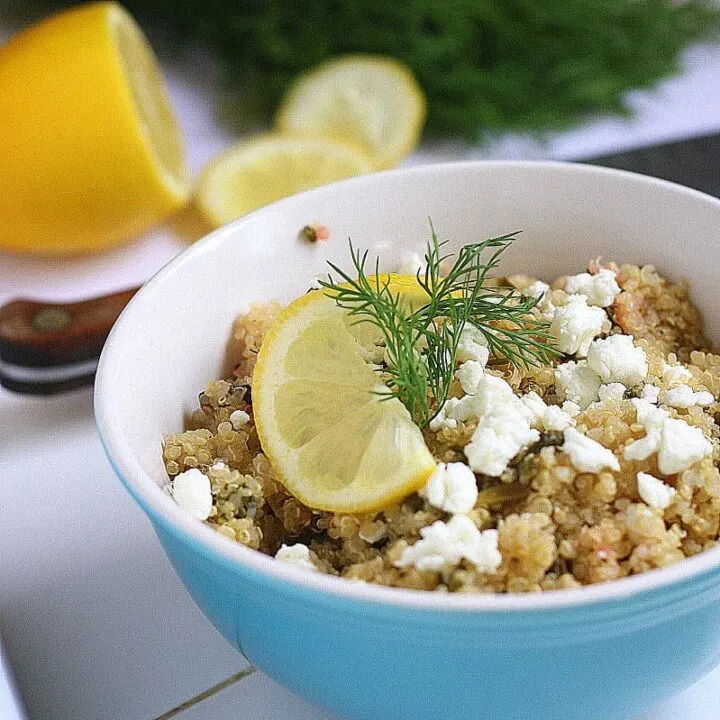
{"type": "Point", "coordinates": [171, 339]}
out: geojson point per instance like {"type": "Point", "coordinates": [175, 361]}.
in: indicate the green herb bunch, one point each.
{"type": "Point", "coordinates": [486, 66]}
{"type": "Point", "coordinates": [420, 345]}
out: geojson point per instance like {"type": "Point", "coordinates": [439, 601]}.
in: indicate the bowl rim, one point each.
{"type": "Point", "coordinates": [159, 505]}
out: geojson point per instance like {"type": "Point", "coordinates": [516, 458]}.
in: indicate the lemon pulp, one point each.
{"type": "Point", "coordinates": [150, 97]}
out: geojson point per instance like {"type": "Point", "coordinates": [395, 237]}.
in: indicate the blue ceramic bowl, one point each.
{"type": "Point", "coordinates": [599, 653]}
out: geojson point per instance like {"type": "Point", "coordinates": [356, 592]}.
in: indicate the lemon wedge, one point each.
{"type": "Point", "coordinates": [91, 150]}
{"type": "Point", "coordinates": [369, 101]}
{"type": "Point", "coordinates": [270, 167]}
{"type": "Point", "coordinates": [334, 442]}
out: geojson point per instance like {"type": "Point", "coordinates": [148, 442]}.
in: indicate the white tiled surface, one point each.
{"type": "Point", "coordinates": [10, 707]}
{"type": "Point", "coordinates": [95, 623]}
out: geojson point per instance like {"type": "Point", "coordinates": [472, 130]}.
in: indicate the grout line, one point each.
{"type": "Point", "coordinates": [174, 712]}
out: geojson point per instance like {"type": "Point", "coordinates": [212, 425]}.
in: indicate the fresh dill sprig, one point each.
{"type": "Point", "coordinates": [421, 345]}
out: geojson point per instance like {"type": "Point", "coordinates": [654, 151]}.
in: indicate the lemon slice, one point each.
{"type": "Point", "coordinates": [91, 150]}
{"type": "Point", "coordinates": [270, 167]}
{"type": "Point", "coordinates": [368, 101]}
{"type": "Point", "coordinates": [333, 441]}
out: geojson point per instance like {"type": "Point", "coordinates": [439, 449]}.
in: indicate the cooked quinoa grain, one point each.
{"type": "Point", "coordinates": [599, 465]}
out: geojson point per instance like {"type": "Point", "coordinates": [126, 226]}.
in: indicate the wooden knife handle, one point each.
{"type": "Point", "coordinates": [42, 343]}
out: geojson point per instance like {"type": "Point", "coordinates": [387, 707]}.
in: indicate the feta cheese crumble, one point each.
{"type": "Point", "coordinates": [239, 418]}
{"type": "Point", "coordinates": [681, 446]}
{"type": "Point", "coordinates": [503, 426]}
{"type": "Point", "coordinates": [191, 491]}
{"type": "Point", "coordinates": [543, 416]}
{"type": "Point", "coordinates": [683, 396]}
{"type": "Point", "coordinates": [536, 408]}
{"type": "Point", "coordinates": [500, 435]}
{"type": "Point", "coordinates": [446, 544]}
{"type": "Point", "coordinates": [472, 345]}
{"type": "Point", "coordinates": [452, 488]}
{"type": "Point", "coordinates": [651, 393]}
{"type": "Point", "coordinates": [557, 419]}
{"type": "Point", "coordinates": [576, 382]}
{"type": "Point", "coordinates": [652, 419]}
{"type": "Point", "coordinates": [617, 360]}
{"type": "Point", "coordinates": [489, 392]}
{"type": "Point", "coordinates": [586, 454]}
{"type": "Point", "coordinates": [297, 555]}
{"type": "Point", "coordinates": [655, 493]}
{"type": "Point", "coordinates": [675, 374]}
{"type": "Point", "coordinates": [678, 445]}
{"type": "Point", "coordinates": [611, 391]}
{"type": "Point", "coordinates": [576, 324]}
{"type": "Point", "coordinates": [535, 289]}
{"type": "Point", "coordinates": [444, 417]}
{"type": "Point", "coordinates": [570, 408]}
{"type": "Point", "coordinates": [469, 374]}
{"type": "Point", "coordinates": [600, 289]}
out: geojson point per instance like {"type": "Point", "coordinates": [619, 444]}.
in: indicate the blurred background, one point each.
{"type": "Point", "coordinates": [572, 79]}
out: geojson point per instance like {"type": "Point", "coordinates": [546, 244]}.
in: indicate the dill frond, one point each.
{"type": "Point", "coordinates": [420, 346]}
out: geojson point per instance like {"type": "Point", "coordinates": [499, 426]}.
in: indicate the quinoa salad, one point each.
{"type": "Point", "coordinates": [596, 464]}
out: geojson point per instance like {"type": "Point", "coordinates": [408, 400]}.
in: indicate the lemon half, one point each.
{"type": "Point", "coordinates": [369, 101]}
{"type": "Point", "coordinates": [335, 443]}
{"type": "Point", "coordinates": [91, 151]}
